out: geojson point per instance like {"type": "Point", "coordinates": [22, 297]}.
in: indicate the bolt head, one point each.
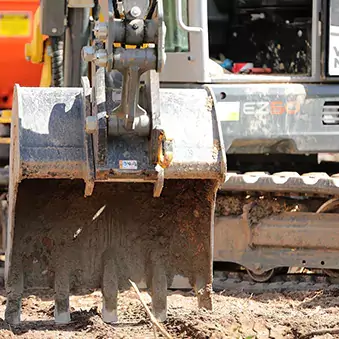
{"type": "Point", "coordinates": [101, 58]}
{"type": "Point", "coordinates": [135, 11]}
{"type": "Point", "coordinates": [101, 30]}
{"type": "Point", "coordinates": [91, 125]}
{"type": "Point", "coordinates": [88, 53]}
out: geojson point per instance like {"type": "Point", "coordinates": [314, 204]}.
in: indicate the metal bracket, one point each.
{"type": "Point", "coordinates": [129, 110]}
{"type": "Point", "coordinates": [162, 156]}
{"type": "Point", "coordinates": [88, 143]}
{"type": "Point", "coordinates": [139, 24]}
{"type": "Point", "coordinates": [159, 184]}
{"type": "Point", "coordinates": [52, 17]}
{"type": "Point", "coordinates": [138, 27]}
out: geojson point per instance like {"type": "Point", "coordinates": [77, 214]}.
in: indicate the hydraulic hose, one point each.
{"type": "Point", "coordinates": [57, 46]}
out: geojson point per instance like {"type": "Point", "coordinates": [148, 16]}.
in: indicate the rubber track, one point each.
{"type": "Point", "coordinates": [311, 183]}
{"type": "Point", "coordinates": [284, 283]}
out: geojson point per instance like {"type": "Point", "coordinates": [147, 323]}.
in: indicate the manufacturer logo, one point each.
{"type": "Point", "coordinates": [271, 107]}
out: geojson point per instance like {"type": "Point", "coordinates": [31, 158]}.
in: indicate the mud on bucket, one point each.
{"type": "Point", "coordinates": [64, 241]}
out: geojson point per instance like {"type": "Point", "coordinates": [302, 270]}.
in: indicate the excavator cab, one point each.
{"type": "Point", "coordinates": [103, 190]}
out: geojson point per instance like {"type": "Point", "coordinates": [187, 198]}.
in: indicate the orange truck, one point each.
{"type": "Point", "coordinates": [16, 29]}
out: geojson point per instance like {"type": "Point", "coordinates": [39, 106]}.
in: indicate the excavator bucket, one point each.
{"type": "Point", "coordinates": [88, 210]}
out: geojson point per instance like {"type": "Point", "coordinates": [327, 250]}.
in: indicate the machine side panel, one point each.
{"type": "Point", "coordinates": [274, 118]}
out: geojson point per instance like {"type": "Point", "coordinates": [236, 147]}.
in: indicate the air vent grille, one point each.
{"type": "Point", "coordinates": [330, 114]}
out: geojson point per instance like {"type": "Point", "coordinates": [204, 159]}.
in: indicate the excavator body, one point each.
{"type": "Point", "coordinates": [129, 173]}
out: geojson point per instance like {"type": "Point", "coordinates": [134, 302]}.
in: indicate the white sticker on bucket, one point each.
{"type": "Point", "coordinates": [128, 164]}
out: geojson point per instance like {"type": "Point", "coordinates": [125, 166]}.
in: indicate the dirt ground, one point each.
{"type": "Point", "coordinates": [294, 315]}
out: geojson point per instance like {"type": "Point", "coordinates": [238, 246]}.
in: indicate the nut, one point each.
{"type": "Point", "coordinates": [88, 53]}
{"type": "Point", "coordinates": [101, 30]}
{"type": "Point", "coordinates": [101, 58]}
{"type": "Point", "coordinates": [91, 125]}
{"type": "Point", "coordinates": [135, 11]}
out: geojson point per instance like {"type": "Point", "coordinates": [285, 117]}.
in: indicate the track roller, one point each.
{"type": "Point", "coordinates": [263, 277]}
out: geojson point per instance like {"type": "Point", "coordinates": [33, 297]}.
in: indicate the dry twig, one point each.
{"type": "Point", "coordinates": [154, 321]}
{"type": "Point", "coordinates": [309, 299]}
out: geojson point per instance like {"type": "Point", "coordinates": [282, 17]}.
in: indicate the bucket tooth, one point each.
{"type": "Point", "coordinates": [61, 289]}
{"type": "Point", "coordinates": [14, 289]}
{"type": "Point", "coordinates": [158, 287]}
{"type": "Point", "coordinates": [109, 290]}
{"type": "Point", "coordinates": [203, 289]}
